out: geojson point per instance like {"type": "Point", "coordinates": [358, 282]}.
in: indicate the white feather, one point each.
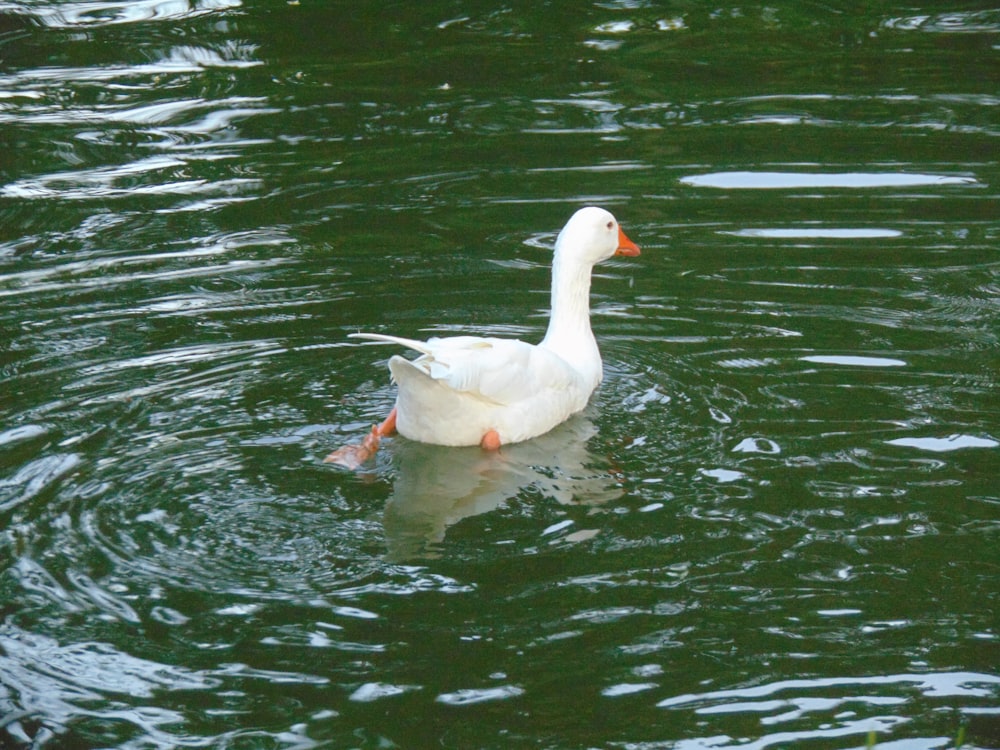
{"type": "Point", "coordinates": [461, 387]}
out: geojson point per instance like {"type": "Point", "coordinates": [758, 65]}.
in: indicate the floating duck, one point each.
{"type": "Point", "coordinates": [470, 390]}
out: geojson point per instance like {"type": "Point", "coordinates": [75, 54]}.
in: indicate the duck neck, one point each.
{"type": "Point", "coordinates": [569, 334]}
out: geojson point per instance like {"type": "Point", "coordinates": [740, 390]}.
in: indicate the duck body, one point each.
{"type": "Point", "coordinates": [462, 387]}
{"type": "Point", "coordinates": [469, 390]}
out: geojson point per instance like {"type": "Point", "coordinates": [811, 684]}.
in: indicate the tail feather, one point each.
{"type": "Point", "coordinates": [414, 344]}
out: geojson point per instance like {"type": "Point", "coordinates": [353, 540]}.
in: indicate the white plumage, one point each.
{"type": "Point", "coordinates": [462, 388]}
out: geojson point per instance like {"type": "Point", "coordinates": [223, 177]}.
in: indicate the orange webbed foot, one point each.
{"type": "Point", "coordinates": [490, 441]}
{"type": "Point", "coordinates": [388, 426]}
{"type": "Point", "coordinates": [354, 455]}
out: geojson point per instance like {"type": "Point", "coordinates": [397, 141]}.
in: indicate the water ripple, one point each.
{"type": "Point", "coordinates": [956, 22]}
{"type": "Point", "coordinates": [39, 476]}
{"type": "Point", "coordinates": [743, 534]}
{"type": "Point", "coordinates": [110, 12]}
{"type": "Point", "coordinates": [124, 181]}
{"type": "Point", "coordinates": [792, 180]}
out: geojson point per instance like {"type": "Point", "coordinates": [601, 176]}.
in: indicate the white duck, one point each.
{"type": "Point", "coordinates": [468, 390]}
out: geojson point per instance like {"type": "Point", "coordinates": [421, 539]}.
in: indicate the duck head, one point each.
{"type": "Point", "coordinates": [593, 234]}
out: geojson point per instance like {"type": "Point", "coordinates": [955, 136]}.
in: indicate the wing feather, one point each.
{"type": "Point", "coordinates": [504, 371]}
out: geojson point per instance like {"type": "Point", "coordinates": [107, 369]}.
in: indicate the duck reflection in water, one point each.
{"type": "Point", "coordinates": [436, 487]}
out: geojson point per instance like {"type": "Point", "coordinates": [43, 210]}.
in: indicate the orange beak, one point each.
{"type": "Point", "coordinates": [625, 245]}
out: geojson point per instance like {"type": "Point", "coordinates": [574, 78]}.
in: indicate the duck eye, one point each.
{"type": "Point", "coordinates": [611, 225]}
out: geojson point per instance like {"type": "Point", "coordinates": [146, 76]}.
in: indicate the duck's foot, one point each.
{"type": "Point", "coordinates": [490, 441]}
{"type": "Point", "coordinates": [352, 456]}
{"type": "Point", "coordinates": [388, 426]}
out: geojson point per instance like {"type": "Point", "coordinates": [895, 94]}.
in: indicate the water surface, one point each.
{"type": "Point", "coordinates": [775, 524]}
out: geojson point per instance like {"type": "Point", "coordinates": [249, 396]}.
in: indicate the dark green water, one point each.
{"type": "Point", "coordinates": [775, 526]}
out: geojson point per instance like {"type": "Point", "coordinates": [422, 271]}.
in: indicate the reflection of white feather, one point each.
{"type": "Point", "coordinates": [462, 387]}
{"type": "Point", "coordinates": [436, 487]}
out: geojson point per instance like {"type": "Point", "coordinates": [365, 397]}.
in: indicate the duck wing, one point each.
{"type": "Point", "coordinates": [501, 371]}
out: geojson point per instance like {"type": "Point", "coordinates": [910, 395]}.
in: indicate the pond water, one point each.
{"type": "Point", "coordinates": [777, 522]}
